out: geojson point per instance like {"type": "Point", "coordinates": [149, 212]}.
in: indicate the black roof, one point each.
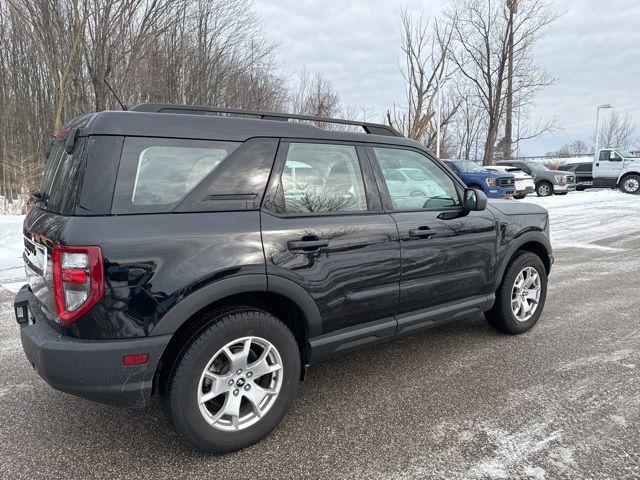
{"type": "Point", "coordinates": [216, 127]}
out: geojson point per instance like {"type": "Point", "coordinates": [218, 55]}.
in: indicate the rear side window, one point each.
{"type": "Point", "coordinates": [62, 178]}
{"type": "Point", "coordinates": [155, 174]}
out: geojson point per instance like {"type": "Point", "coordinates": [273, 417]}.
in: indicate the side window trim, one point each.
{"type": "Point", "coordinates": [273, 201]}
{"type": "Point", "coordinates": [385, 196]}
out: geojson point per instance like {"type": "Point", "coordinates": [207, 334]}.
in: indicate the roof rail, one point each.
{"type": "Point", "coordinates": [371, 128]}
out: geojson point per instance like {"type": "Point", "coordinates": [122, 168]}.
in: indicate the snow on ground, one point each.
{"type": "Point", "coordinates": [593, 219]}
{"type": "Point", "coordinates": [11, 267]}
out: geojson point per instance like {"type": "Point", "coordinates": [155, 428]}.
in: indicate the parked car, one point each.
{"type": "Point", "coordinates": [616, 168]}
{"type": "Point", "coordinates": [583, 173]}
{"type": "Point", "coordinates": [548, 182]}
{"type": "Point", "coordinates": [523, 183]}
{"type": "Point", "coordinates": [493, 184]}
{"type": "Point", "coordinates": [171, 252]}
{"type": "Point", "coordinates": [409, 183]}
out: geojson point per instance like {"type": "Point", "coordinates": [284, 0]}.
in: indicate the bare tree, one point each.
{"type": "Point", "coordinates": [425, 48]}
{"type": "Point", "coordinates": [573, 149]}
{"type": "Point", "coordinates": [313, 94]}
{"type": "Point", "coordinates": [43, 21]}
{"type": "Point", "coordinates": [482, 30]}
{"type": "Point", "coordinates": [55, 55]}
{"type": "Point", "coordinates": [618, 131]}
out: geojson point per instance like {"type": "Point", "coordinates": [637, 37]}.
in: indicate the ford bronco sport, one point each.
{"type": "Point", "coordinates": [208, 256]}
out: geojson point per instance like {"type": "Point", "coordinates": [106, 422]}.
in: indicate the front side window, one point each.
{"type": "Point", "coordinates": [155, 174]}
{"type": "Point", "coordinates": [426, 185]}
{"type": "Point", "coordinates": [604, 155]}
{"type": "Point", "coordinates": [322, 178]}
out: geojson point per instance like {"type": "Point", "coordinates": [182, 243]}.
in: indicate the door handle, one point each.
{"type": "Point", "coordinates": [422, 232]}
{"type": "Point", "coordinates": [307, 245]}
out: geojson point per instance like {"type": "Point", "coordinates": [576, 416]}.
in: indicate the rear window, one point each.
{"type": "Point", "coordinates": [61, 179]}
{"type": "Point", "coordinates": [155, 174]}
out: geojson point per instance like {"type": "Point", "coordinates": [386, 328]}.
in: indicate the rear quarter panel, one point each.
{"type": "Point", "coordinates": [154, 261]}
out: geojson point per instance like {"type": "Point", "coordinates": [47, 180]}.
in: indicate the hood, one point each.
{"type": "Point", "coordinates": [515, 207]}
{"type": "Point", "coordinates": [487, 174]}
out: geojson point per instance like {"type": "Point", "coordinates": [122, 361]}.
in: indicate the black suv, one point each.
{"type": "Point", "coordinates": [209, 255]}
{"type": "Point", "coordinates": [583, 172]}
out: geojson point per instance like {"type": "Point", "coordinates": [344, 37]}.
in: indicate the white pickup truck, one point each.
{"type": "Point", "coordinates": [613, 167]}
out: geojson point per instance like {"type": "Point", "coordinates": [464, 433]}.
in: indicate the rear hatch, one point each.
{"type": "Point", "coordinates": [44, 226]}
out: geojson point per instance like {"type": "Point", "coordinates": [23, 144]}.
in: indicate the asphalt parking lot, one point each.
{"type": "Point", "coordinates": [461, 401]}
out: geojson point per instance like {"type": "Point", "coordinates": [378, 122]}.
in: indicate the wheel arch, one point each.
{"type": "Point", "coordinates": [534, 242]}
{"type": "Point", "coordinates": [625, 175]}
{"type": "Point", "coordinates": [283, 299]}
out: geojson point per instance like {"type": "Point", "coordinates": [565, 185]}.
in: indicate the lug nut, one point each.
{"type": "Point", "coordinates": [239, 371]}
{"type": "Point", "coordinates": [230, 382]}
{"type": "Point", "coordinates": [247, 387]}
{"type": "Point", "coordinates": [236, 392]}
{"type": "Point", "coordinates": [249, 374]}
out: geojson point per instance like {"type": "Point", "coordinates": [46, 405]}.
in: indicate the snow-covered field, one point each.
{"type": "Point", "coordinates": [11, 268]}
{"type": "Point", "coordinates": [594, 219]}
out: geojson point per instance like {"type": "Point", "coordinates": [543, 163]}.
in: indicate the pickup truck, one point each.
{"type": "Point", "coordinates": [616, 168]}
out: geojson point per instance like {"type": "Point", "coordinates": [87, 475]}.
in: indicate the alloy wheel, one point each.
{"type": "Point", "coordinates": [240, 384]}
{"type": "Point", "coordinates": [525, 294]}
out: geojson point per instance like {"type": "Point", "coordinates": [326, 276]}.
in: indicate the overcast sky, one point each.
{"type": "Point", "coordinates": [593, 49]}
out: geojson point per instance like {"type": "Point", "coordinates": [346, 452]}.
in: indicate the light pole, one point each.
{"type": "Point", "coordinates": [605, 106]}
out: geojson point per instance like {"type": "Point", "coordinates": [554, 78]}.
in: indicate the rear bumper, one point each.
{"type": "Point", "coordinates": [91, 369]}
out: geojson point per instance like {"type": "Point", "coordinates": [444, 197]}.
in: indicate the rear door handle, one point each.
{"type": "Point", "coordinates": [422, 232]}
{"type": "Point", "coordinates": [307, 245]}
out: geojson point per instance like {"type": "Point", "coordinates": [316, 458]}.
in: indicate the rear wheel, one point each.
{"type": "Point", "coordinates": [234, 382]}
{"type": "Point", "coordinates": [521, 296]}
{"type": "Point", "coordinates": [520, 196]}
{"type": "Point", "coordinates": [544, 189]}
{"type": "Point", "coordinates": [630, 184]}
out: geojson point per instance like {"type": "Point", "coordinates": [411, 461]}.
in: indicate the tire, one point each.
{"type": "Point", "coordinates": [502, 316]}
{"type": "Point", "coordinates": [562, 193]}
{"type": "Point", "coordinates": [519, 197]}
{"type": "Point", "coordinates": [256, 332]}
{"type": "Point", "coordinates": [630, 184]}
{"type": "Point", "coordinates": [544, 189]}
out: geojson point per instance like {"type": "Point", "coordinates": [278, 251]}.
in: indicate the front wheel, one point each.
{"type": "Point", "coordinates": [544, 189]}
{"type": "Point", "coordinates": [234, 382]}
{"type": "Point", "coordinates": [521, 296]}
{"type": "Point", "coordinates": [630, 184]}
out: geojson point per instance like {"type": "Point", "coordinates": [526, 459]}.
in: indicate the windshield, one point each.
{"type": "Point", "coordinates": [536, 167]}
{"type": "Point", "coordinates": [469, 166]}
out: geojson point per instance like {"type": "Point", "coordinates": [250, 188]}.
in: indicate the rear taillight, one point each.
{"type": "Point", "coordinates": [78, 280]}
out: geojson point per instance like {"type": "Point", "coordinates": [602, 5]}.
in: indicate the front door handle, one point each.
{"type": "Point", "coordinates": [422, 232]}
{"type": "Point", "coordinates": [308, 245]}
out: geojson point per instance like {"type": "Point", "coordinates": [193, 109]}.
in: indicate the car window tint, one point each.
{"type": "Point", "coordinates": [155, 174]}
{"type": "Point", "coordinates": [321, 178]}
{"type": "Point", "coordinates": [605, 155]}
{"type": "Point", "coordinates": [425, 184]}
{"type": "Point", "coordinates": [166, 174]}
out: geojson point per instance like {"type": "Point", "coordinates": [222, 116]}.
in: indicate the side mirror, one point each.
{"type": "Point", "coordinates": [474, 200]}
